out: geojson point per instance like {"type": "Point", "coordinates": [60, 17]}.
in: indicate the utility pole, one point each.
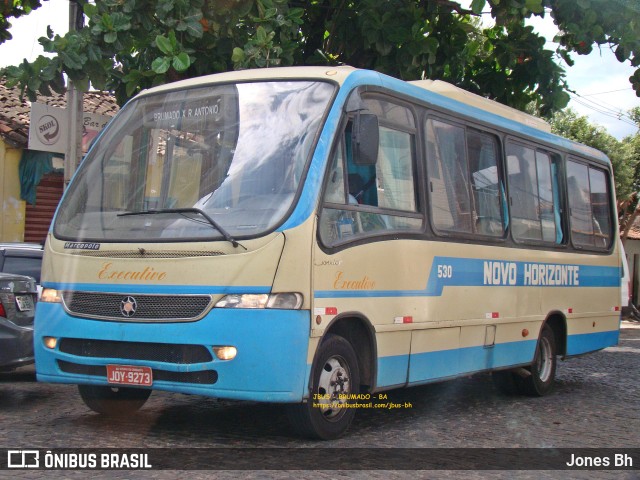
{"type": "Point", "coordinates": [73, 152]}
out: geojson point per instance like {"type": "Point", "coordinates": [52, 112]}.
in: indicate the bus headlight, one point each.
{"type": "Point", "coordinates": [283, 301]}
{"type": "Point", "coordinates": [50, 295]}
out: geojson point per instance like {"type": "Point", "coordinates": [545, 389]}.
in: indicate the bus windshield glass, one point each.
{"type": "Point", "coordinates": [209, 163]}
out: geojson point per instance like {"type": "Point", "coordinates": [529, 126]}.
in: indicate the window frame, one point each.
{"type": "Point", "coordinates": [418, 176]}
{"type": "Point", "coordinates": [561, 200]}
{"type": "Point", "coordinates": [612, 218]}
{"type": "Point", "coordinates": [422, 110]}
{"type": "Point", "coordinates": [500, 164]}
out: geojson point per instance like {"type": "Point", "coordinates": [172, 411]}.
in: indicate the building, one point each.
{"type": "Point", "coordinates": [31, 182]}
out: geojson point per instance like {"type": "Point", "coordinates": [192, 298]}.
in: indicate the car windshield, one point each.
{"type": "Point", "coordinates": [221, 161]}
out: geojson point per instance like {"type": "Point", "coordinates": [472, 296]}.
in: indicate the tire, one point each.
{"type": "Point", "coordinates": [543, 369]}
{"type": "Point", "coordinates": [335, 377]}
{"type": "Point", "coordinates": [113, 401]}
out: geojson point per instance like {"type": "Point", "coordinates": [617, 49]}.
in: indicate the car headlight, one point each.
{"type": "Point", "coordinates": [283, 301]}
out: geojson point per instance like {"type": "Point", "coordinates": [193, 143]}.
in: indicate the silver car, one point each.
{"type": "Point", "coordinates": [18, 296]}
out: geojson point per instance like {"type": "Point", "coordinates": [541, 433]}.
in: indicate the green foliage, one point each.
{"type": "Point", "coordinates": [128, 45]}
{"type": "Point", "coordinates": [611, 23]}
{"type": "Point", "coordinates": [15, 9]}
{"type": "Point", "coordinates": [624, 155]}
{"type": "Point", "coordinates": [631, 147]}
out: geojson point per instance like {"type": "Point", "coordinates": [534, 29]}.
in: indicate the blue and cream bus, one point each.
{"type": "Point", "coordinates": [310, 236]}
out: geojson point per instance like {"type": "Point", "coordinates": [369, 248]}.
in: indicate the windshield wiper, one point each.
{"type": "Point", "coordinates": [182, 211]}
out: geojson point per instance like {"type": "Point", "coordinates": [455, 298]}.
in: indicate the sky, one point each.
{"type": "Point", "coordinates": [604, 93]}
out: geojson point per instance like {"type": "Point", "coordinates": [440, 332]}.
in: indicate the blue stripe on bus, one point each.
{"type": "Point", "coordinates": [473, 272]}
{"type": "Point", "coordinates": [159, 289]}
{"type": "Point", "coordinates": [429, 366]}
{"type": "Point", "coordinates": [588, 342]}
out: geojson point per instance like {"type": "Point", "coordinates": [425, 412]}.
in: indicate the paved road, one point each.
{"type": "Point", "coordinates": [596, 404]}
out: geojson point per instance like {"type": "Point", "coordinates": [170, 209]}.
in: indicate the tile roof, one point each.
{"type": "Point", "coordinates": [14, 113]}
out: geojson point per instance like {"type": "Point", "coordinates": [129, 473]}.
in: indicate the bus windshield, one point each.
{"type": "Point", "coordinates": [235, 152]}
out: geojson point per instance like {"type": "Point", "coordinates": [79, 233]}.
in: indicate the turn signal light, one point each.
{"type": "Point", "coordinates": [50, 342]}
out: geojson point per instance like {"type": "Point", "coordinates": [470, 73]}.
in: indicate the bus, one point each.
{"type": "Point", "coordinates": [314, 236]}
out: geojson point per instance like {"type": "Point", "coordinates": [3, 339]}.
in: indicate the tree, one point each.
{"type": "Point", "coordinates": [629, 208]}
{"type": "Point", "coordinates": [128, 45]}
{"type": "Point", "coordinates": [15, 9]}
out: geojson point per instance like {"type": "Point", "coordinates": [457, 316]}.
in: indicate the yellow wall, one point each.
{"type": "Point", "coordinates": [13, 209]}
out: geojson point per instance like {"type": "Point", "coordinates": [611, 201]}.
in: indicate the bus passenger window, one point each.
{"type": "Point", "coordinates": [486, 184]}
{"type": "Point", "coordinates": [589, 206]}
{"type": "Point", "coordinates": [600, 208]}
{"type": "Point", "coordinates": [448, 177]}
{"type": "Point", "coordinates": [533, 190]}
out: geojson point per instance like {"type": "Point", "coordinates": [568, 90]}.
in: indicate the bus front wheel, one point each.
{"type": "Point", "coordinates": [113, 401]}
{"type": "Point", "coordinates": [335, 388]}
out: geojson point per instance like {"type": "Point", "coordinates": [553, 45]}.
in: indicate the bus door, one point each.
{"type": "Point", "coordinates": [368, 265]}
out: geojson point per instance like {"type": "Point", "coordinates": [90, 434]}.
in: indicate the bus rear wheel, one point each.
{"type": "Point", "coordinates": [113, 401]}
{"type": "Point", "coordinates": [539, 378]}
{"type": "Point", "coordinates": [543, 368]}
{"type": "Point", "coordinates": [335, 382]}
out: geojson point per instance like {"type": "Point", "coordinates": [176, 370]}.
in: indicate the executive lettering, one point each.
{"type": "Point", "coordinates": [364, 283]}
{"type": "Point", "coordinates": [148, 274]}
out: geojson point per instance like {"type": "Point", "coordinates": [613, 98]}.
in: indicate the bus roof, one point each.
{"type": "Point", "coordinates": [457, 93]}
{"type": "Point", "coordinates": [335, 74]}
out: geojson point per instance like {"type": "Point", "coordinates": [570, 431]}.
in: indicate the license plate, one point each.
{"type": "Point", "coordinates": [24, 302]}
{"type": "Point", "coordinates": [130, 375]}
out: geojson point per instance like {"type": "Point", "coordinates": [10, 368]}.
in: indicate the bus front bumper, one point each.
{"type": "Point", "coordinates": [270, 365]}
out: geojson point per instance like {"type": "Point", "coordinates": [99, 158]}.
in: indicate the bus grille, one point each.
{"type": "Point", "coordinates": [204, 377]}
{"type": "Point", "coordinates": [156, 352]}
{"type": "Point", "coordinates": [148, 308]}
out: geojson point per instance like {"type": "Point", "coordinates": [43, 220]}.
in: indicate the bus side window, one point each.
{"type": "Point", "coordinates": [534, 194]}
{"type": "Point", "coordinates": [589, 207]}
{"type": "Point", "coordinates": [369, 200]}
{"type": "Point", "coordinates": [361, 179]}
{"type": "Point", "coordinates": [600, 208]}
{"type": "Point", "coordinates": [486, 184]}
{"type": "Point", "coordinates": [448, 171]}
{"type": "Point", "coordinates": [335, 192]}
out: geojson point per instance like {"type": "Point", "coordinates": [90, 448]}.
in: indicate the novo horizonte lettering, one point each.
{"type": "Point", "coordinates": [532, 274]}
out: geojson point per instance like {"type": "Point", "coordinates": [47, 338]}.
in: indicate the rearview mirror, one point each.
{"type": "Point", "coordinates": [365, 139]}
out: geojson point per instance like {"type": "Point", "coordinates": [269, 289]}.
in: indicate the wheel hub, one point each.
{"type": "Point", "coordinates": [334, 387]}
